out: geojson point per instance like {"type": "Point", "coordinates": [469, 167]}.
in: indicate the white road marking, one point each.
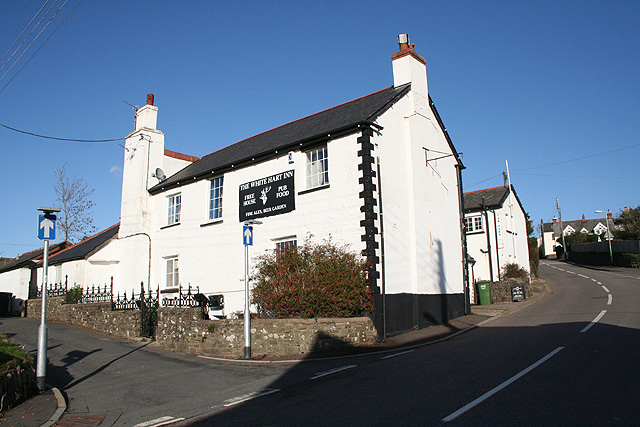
{"type": "Point", "coordinates": [493, 391]}
{"type": "Point", "coordinates": [250, 396]}
{"type": "Point", "coordinates": [609, 299]}
{"type": "Point", "coordinates": [331, 371]}
{"type": "Point", "coordinates": [593, 280]}
{"type": "Point", "coordinates": [599, 283]}
{"type": "Point", "coordinates": [397, 354]}
{"type": "Point", "coordinates": [570, 272]}
{"type": "Point", "coordinates": [561, 269]}
{"type": "Point", "coordinates": [583, 276]}
{"type": "Point", "coordinates": [594, 321]}
{"type": "Point", "coordinates": [605, 288]}
{"type": "Point", "coordinates": [162, 421]}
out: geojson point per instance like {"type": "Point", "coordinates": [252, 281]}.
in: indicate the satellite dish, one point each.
{"type": "Point", "coordinates": [160, 174]}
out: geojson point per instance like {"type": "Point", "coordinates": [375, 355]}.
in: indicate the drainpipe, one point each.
{"type": "Point", "coordinates": [495, 227]}
{"type": "Point", "coordinates": [149, 263]}
{"type": "Point", "coordinates": [382, 272]}
{"type": "Point", "coordinates": [465, 265]}
{"type": "Point", "coordinates": [486, 216]}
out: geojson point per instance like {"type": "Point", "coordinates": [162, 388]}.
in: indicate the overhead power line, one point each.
{"type": "Point", "coordinates": [40, 47]}
{"type": "Point", "coordinates": [63, 139]}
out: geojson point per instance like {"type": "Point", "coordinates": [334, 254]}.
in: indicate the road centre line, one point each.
{"type": "Point", "coordinates": [570, 272]}
{"type": "Point", "coordinates": [494, 390]}
{"type": "Point", "coordinates": [331, 371]}
{"type": "Point", "coordinates": [599, 283]}
{"type": "Point", "coordinates": [593, 280]}
{"type": "Point", "coordinates": [609, 299]}
{"type": "Point", "coordinates": [594, 321]}
{"type": "Point", "coordinates": [583, 276]}
{"type": "Point", "coordinates": [250, 396]}
{"type": "Point", "coordinates": [162, 421]}
{"type": "Point", "coordinates": [605, 288]}
{"type": "Point", "coordinates": [397, 354]}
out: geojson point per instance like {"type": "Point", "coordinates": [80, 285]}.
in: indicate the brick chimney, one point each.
{"type": "Point", "coordinates": [609, 215]}
{"type": "Point", "coordinates": [555, 220]}
{"type": "Point", "coordinates": [583, 217]}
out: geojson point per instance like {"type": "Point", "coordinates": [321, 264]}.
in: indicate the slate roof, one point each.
{"type": "Point", "coordinates": [337, 120]}
{"type": "Point", "coordinates": [86, 247]}
{"type": "Point", "coordinates": [577, 225]}
{"type": "Point", "coordinates": [494, 198]}
{"type": "Point", "coordinates": [32, 257]}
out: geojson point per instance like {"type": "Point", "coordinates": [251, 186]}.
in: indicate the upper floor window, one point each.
{"type": "Point", "coordinates": [174, 209]}
{"type": "Point", "coordinates": [215, 198]}
{"type": "Point", "coordinates": [473, 224]}
{"type": "Point", "coordinates": [317, 167]}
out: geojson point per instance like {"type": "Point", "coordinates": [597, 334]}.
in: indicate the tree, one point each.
{"type": "Point", "coordinates": [75, 219]}
{"type": "Point", "coordinates": [629, 222]}
{"type": "Point", "coordinates": [534, 252]}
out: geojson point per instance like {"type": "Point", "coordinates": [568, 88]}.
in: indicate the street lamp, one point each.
{"type": "Point", "coordinates": [608, 232]}
{"type": "Point", "coordinates": [48, 233]}
{"type": "Point", "coordinates": [247, 236]}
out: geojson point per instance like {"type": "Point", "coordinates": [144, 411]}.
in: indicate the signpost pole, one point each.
{"type": "Point", "coordinates": [41, 371]}
{"type": "Point", "coordinates": [247, 314]}
{"type": "Point", "coordinates": [46, 232]}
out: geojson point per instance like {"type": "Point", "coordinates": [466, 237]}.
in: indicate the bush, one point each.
{"type": "Point", "coordinates": [313, 280]}
{"type": "Point", "coordinates": [514, 271]}
{"type": "Point", "coordinates": [534, 256]}
{"type": "Point", "coordinates": [74, 295]}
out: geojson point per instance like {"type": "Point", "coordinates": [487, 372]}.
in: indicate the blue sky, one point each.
{"type": "Point", "coordinates": [552, 87]}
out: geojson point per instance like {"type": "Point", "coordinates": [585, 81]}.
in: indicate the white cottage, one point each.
{"type": "Point", "coordinates": [496, 227]}
{"type": "Point", "coordinates": [378, 173]}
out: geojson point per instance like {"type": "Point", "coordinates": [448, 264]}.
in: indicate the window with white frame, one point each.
{"type": "Point", "coordinates": [215, 198]}
{"type": "Point", "coordinates": [173, 273]}
{"type": "Point", "coordinates": [175, 202]}
{"type": "Point", "coordinates": [473, 224]}
{"type": "Point", "coordinates": [286, 244]}
{"type": "Point", "coordinates": [317, 167]}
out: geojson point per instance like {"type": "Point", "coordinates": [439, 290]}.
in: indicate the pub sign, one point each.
{"type": "Point", "coordinates": [273, 195]}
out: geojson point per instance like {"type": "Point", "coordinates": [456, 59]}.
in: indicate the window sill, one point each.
{"type": "Point", "coordinates": [311, 190]}
{"type": "Point", "coordinates": [475, 232]}
{"type": "Point", "coordinates": [170, 225]}
{"type": "Point", "coordinates": [212, 222]}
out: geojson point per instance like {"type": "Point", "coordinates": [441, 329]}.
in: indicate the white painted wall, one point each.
{"type": "Point", "coordinates": [16, 281]}
{"type": "Point", "coordinates": [511, 245]}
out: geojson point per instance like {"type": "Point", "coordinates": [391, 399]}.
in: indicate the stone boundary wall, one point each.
{"type": "Point", "coordinates": [501, 291]}
{"type": "Point", "coordinates": [16, 387]}
{"type": "Point", "coordinates": [97, 316]}
{"type": "Point", "coordinates": [183, 329]}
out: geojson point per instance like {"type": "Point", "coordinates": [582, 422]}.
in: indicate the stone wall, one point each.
{"type": "Point", "coordinates": [501, 291]}
{"type": "Point", "coordinates": [16, 387]}
{"type": "Point", "coordinates": [182, 329]}
{"type": "Point", "coordinates": [96, 316]}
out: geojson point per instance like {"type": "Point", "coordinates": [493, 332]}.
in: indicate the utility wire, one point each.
{"type": "Point", "coordinates": [63, 139]}
{"type": "Point", "coordinates": [37, 50]}
{"type": "Point", "coordinates": [27, 38]}
{"type": "Point", "coordinates": [25, 29]}
{"type": "Point", "coordinates": [34, 40]}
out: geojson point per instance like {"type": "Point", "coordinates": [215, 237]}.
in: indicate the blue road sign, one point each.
{"type": "Point", "coordinates": [47, 227]}
{"type": "Point", "coordinates": [247, 235]}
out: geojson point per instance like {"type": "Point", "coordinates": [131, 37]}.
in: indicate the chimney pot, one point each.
{"type": "Point", "coordinates": [150, 99]}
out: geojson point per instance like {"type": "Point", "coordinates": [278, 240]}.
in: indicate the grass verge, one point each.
{"type": "Point", "coordinates": [12, 356]}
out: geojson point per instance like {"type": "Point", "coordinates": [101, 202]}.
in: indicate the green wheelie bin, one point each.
{"type": "Point", "coordinates": [484, 292]}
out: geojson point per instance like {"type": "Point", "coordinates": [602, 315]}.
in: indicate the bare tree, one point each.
{"type": "Point", "coordinates": [75, 219]}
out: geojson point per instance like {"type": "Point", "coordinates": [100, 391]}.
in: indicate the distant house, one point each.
{"type": "Point", "coordinates": [18, 275]}
{"type": "Point", "coordinates": [496, 227]}
{"type": "Point", "coordinates": [92, 261]}
{"type": "Point", "coordinates": [551, 233]}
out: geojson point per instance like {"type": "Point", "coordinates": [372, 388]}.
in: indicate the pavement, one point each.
{"type": "Point", "coordinates": [45, 409]}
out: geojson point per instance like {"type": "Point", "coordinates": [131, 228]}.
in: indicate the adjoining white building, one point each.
{"type": "Point", "coordinates": [378, 173]}
{"type": "Point", "coordinates": [90, 262]}
{"type": "Point", "coordinates": [496, 227]}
